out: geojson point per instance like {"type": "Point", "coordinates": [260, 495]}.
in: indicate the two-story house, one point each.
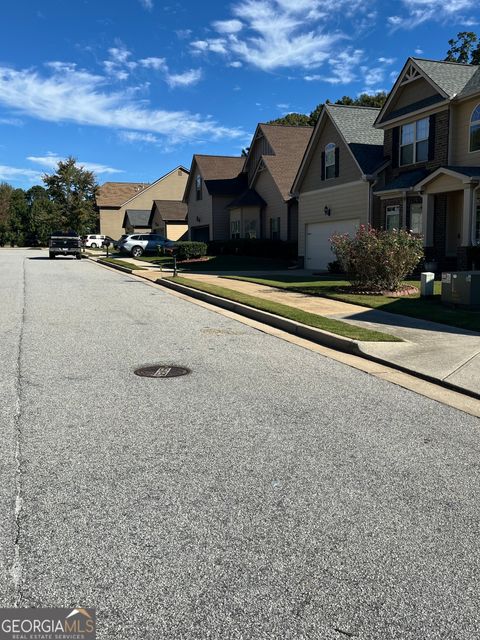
{"type": "Point", "coordinates": [335, 180]}
{"type": "Point", "coordinates": [213, 183]}
{"type": "Point", "coordinates": [431, 121]}
{"type": "Point", "coordinates": [114, 199]}
{"type": "Point", "coordinates": [266, 209]}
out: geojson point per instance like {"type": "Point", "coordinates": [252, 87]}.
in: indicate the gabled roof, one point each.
{"type": "Point", "coordinates": [288, 145]}
{"type": "Point", "coordinates": [472, 86]}
{"type": "Point", "coordinates": [355, 126]}
{"type": "Point", "coordinates": [114, 194]}
{"type": "Point", "coordinates": [215, 169]}
{"type": "Point", "coordinates": [137, 218]}
{"type": "Point", "coordinates": [451, 77]}
{"type": "Point", "coordinates": [170, 210]}
{"type": "Point", "coordinates": [448, 79]}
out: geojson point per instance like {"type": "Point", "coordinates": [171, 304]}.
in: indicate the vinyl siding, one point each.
{"type": "Point", "coordinates": [260, 147]}
{"type": "Point", "coordinates": [348, 169]}
{"type": "Point", "coordinates": [411, 93]}
{"type": "Point", "coordinates": [351, 201]}
{"type": "Point", "coordinates": [171, 187]}
{"type": "Point", "coordinates": [276, 207]}
{"type": "Point", "coordinates": [444, 183]}
{"type": "Point", "coordinates": [199, 208]}
{"type": "Point", "coordinates": [176, 231]}
{"type": "Point", "coordinates": [461, 114]}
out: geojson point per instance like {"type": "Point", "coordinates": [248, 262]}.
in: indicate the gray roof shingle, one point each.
{"type": "Point", "coordinates": [405, 181]}
{"type": "Point", "coordinates": [451, 77]}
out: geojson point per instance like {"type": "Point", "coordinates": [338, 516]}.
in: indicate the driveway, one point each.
{"type": "Point", "coordinates": [270, 494]}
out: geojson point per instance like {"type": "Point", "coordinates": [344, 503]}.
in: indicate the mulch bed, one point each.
{"type": "Point", "coordinates": [403, 291]}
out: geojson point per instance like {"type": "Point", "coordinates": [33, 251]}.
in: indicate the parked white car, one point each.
{"type": "Point", "coordinates": [96, 241]}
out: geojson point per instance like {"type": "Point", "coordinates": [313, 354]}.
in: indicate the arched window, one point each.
{"type": "Point", "coordinates": [330, 161]}
{"type": "Point", "coordinates": [475, 129]}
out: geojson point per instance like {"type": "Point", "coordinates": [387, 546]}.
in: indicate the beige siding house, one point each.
{"type": "Point", "coordinates": [266, 208]}
{"type": "Point", "coordinates": [169, 219]}
{"type": "Point", "coordinates": [335, 179]}
{"type": "Point", "coordinates": [115, 198]}
{"type": "Point", "coordinates": [431, 121]}
{"type": "Point", "coordinates": [213, 183]}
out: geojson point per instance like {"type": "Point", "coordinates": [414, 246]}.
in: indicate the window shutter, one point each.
{"type": "Point", "coordinates": [337, 162]}
{"type": "Point", "coordinates": [431, 137]}
{"type": "Point", "coordinates": [323, 165]}
{"type": "Point", "coordinates": [395, 146]}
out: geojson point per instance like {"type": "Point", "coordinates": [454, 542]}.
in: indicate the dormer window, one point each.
{"type": "Point", "coordinates": [475, 129]}
{"type": "Point", "coordinates": [198, 187]}
{"type": "Point", "coordinates": [330, 161]}
{"type": "Point", "coordinates": [414, 142]}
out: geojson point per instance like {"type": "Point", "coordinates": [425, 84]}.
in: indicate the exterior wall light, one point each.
{"type": "Point", "coordinates": [327, 211]}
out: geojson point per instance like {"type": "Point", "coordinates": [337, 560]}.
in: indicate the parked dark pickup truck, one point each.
{"type": "Point", "coordinates": [65, 243]}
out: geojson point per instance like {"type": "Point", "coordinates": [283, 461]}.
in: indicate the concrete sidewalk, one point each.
{"type": "Point", "coordinates": [445, 353]}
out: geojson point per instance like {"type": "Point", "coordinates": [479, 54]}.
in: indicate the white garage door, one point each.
{"type": "Point", "coordinates": [317, 251]}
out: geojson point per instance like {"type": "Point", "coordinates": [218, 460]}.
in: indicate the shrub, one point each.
{"type": "Point", "coordinates": [188, 250]}
{"type": "Point", "coordinates": [254, 247]}
{"type": "Point", "coordinates": [377, 260]}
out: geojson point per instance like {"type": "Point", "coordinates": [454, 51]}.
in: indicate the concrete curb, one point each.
{"type": "Point", "coordinates": [320, 336]}
{"type": "Point", "coordinates": [119, 267]}
{"type": "Point", "coordinates": [324, 338]}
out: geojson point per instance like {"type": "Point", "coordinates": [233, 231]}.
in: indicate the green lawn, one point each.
{"type": "Point", "coordinates": [123, 263]}
{"type": "Point", "coordinates": [413, 305]}
{"type": "Point", "coordinates": [222, 263]}
{"type": "Point", "coordinates": [311, 319]}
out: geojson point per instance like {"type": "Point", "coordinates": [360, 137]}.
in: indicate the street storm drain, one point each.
{"type": "Point", "coordinates": [161, 371]}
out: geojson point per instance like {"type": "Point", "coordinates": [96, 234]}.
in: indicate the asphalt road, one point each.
{"type": "Point", "coordinates": [271, 494]}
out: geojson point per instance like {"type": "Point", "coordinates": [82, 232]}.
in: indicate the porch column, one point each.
{"type": "Point", "coordinates": [467, 215]}
{"type": "Point", "coordinates": [428, 207]}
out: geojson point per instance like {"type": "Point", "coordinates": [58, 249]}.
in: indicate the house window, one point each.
{"type": "Point", "coordinates": [235, 229]}
{"type": "Point", "coordinates": [414, 142]}
{"type": "Point", "coordinates": [416, 218]}
{"type": "Point", "coordinates": [330, 161]}
{"type": "Point", "coordinates": [251, 229]}
{"type": "Point", "coordinates": [392, 218]}
{"type": "Point", "coordinates": [198, 187]}
{"type": "Point", "coordinates": [275, 228]}
{"type": "Point", "coordinates": [475, 130]}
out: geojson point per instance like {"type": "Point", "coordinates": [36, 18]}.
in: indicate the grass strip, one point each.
{"type": "Point", "coordinates": [414, 306]}
{"type": "Point", "coordinates": [123, 263]}
{"type": "Point", "coordinates": [291, 313]}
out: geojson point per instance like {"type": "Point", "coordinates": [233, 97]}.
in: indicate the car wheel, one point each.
{"type": "Point", "coordinates": [78, 256]}
{"type": "Point", "coordinates": [93, 245]}
{"type": "Point", "coordinates": [136, 252]}
{"type": "Point", "coordinates": [51, 256]}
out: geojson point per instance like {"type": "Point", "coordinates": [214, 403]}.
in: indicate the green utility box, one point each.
{"type": "Point", "coordinates": [461, 289]}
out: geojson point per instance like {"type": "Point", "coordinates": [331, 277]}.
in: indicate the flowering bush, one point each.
{"type": "Point", "coordinates": [377, 260]}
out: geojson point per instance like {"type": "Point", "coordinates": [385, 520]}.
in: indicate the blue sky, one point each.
{"type": "Point", "coordinates": [132, 88]}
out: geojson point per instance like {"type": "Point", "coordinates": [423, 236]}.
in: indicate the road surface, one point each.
{"type": "Point", "coordinates": [270, 494]}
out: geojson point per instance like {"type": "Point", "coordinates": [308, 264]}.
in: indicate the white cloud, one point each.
{"type": "Point", "coordinates": [373, 75]}
{"type": "Point", "coordinates": [342, 68]}
{"type": "Point", "coordinates": [420, 11]}
{"type": "Point", "coordinates": [387, 61]}
{"type": "Point", "coordinates": [419, 52]}
{"type": "Point", "coordinates": [16, 174]}
{"type": "Point", "coordinates": [135, 136]}
{"type": "Point", "coordinates": [275, 34]}
{"type": "Point", "coordinates": [11, 122]}
{"type": "Point", "coordinates": [228, 26]}
{"type": "Point", "coordinates": [185, 79]}
{"type": "Point", "coordinates": [81, 97]}
{"type": "Point", "coordinates": [153, 63]}
{"type": "Point", "coordinates": [51, 160]}
{"type": "Point", "coordinates": [147, 4]}
{"type": "Point", "coordinates": [236, 64]}
{"type": "Point", "coordinates": [183, 34]}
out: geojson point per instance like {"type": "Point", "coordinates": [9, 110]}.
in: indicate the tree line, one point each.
{"type": "Point", "coordinates": [66, 201]}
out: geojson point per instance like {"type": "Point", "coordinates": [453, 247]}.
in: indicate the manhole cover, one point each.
{"type": "Point", "coordinates": [161, 371]}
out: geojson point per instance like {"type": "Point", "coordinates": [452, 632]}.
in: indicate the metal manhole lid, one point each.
{"type": "Point", "coordinates": [161, 371]}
